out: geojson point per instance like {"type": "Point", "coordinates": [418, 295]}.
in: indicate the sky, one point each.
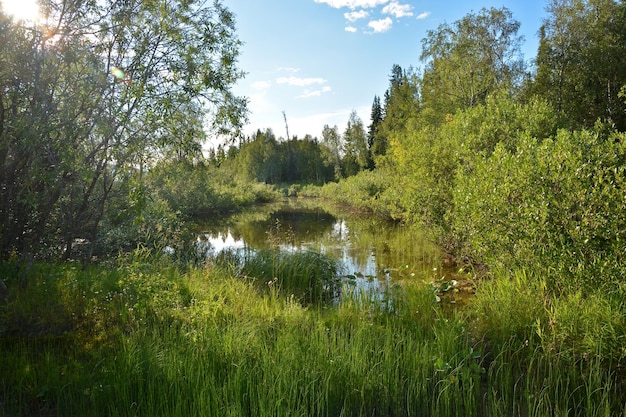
{"type": "Point", "coordinates": [318, 60]}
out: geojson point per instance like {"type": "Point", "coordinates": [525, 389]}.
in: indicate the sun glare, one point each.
{"type": "Point", "coordinates": [27, 10]}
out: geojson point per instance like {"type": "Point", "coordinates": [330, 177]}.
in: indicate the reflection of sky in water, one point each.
{"type": "Point", "coordinates": [372, 256]}
{"type": "Point", "coordinates": [340, 230]}
{"type": "Point", "coordinates": [363, 247]}
{"type": "Point", "coordinates": [337, 245]}
{"type": "Point", "coordinates": [212, 244]}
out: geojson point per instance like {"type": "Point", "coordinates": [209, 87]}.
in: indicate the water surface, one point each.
{"type": "Point", "coordinates": [370, 251]}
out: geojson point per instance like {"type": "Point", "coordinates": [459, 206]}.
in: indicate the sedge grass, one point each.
{"type": "Point", "coordinates": [152, 340]}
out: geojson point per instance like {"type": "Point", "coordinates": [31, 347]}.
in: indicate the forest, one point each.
{"type": "Point", "coordinates": [516, 169]}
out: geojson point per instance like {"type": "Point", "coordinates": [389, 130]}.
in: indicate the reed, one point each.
{"type": "Point", "coordinates": [311, 277]}
{"type": "Point", "coordinates": [153, 340]}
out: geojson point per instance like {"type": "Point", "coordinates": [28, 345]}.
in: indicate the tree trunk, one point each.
{"type": "Point", "coordinates": [4, 291]}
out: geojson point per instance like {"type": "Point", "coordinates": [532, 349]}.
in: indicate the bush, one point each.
{"type": "Point", "coordinates": [197, 190]}
{"type": "Point", "coordinates": [555, 206]}
{"type": "Point", "coordinates": [425, 160]}
{"type": "Point", "coordinates": [363, 191]}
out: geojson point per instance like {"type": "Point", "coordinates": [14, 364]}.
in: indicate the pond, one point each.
{"type": "Point", "coordinates": [372, 253]}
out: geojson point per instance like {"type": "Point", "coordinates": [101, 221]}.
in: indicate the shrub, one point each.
{"type": "Point", "coordinates": [555, 206]}
{"type": "Point", "coordinates": [363, 191]}
{"type": "Point", "coordinates": [200, 189]}
{"type": "Point", "coordinates": [425, 160]}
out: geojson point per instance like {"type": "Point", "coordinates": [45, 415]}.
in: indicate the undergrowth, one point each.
{"type": "Point", "coordinates": [144, 337]}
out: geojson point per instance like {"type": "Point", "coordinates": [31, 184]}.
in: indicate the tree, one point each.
{"type": "Point", "coordinates": [402, 104]}
{"type": "Point", "coordinates": [309, 161]}
{"type": "Point", "coordinates": [470, 59]}
{"type": "Point", "coordinates": [375, 142]}
{"type": "Point", "coordinates": [331, 149]}
{"type": "Point", "coordinates": [87, 101]}
{"type": "Point", "coordinates": [356, 153]}
{"type": "Point", "coordinates": [259, 159]}
{"type": "Point", "coordinates": [581, 61]}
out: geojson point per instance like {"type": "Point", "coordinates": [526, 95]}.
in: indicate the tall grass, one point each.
{"type": "Point", "coordinates": [147, 339]}
{"type": "Point", "coordinates": [309, 276]}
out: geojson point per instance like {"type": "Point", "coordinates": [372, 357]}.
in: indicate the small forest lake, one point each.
{"type": "Point", "coordinates": [372, 254]}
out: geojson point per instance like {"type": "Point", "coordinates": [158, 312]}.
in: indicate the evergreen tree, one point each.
{"type": "Point", "coordinates": [375, 141]}
{"type": "Point", "coordinates": [402, 104]}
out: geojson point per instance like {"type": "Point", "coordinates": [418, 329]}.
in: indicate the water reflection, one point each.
{"type": "Point", "coordinates": [370, 251]}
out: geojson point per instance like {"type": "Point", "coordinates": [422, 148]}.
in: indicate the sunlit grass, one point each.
{"type": "Point", "coordinates": [145, 338]}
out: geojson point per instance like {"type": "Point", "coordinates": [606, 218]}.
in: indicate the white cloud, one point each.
{"type": "Point", "coordinates": [398, 10]}
{"type": "Point", "coordinates": [261, 85]}
{"type": "Point", "coordinates": [287, 69]}
{"type": "Point", "coordinates": [353, 4]}
{"type": "Point", "coordinates": [423, 15]}
{"type": "Point", "coordinates": [315, 93]}
{"type": "Point", "coordinates": [300, 82]}
{"type": "Point", "coordinates": [351, 29]}
{"type": "Point", "coordinates": [354, 16]}
{"type": "Point", "coordinates": [382, 25]}
{"type": "Point", "coordinates": [308, 94]}
{"type": "Point", "coordinates": [314, 123]}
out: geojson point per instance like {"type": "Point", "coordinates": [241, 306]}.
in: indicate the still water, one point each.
{"type": "Point", "coordinates": [371, 252]}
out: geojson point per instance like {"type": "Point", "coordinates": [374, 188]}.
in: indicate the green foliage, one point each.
{"type": "Point", "coordinates": [356, 154]}
{"type": "Point", "coordinates": [152, 224]}
{"type": "Point", "coordinates": [426, 160]}
{"type": "Point", "coordinates": [82, 114]}
{"type": "Point", "coordinates": [259, 158]}
{"type": "Point", "coordinates": [581, 61]}
{"type": "Point", "coordinates": [331, 149]}
{"type": "Point", "coordinates": [203, 189]}
{"type": "Point", "coordinates": [375, 143]}
{"type": "Point", "coordinates": [470, 60]}
{"type": "Point", "coordinates": [401, 105]}
{"type": "Point", "coordinates": [363, 191]}
{"type": "Point", "coordinates": [553, 206]}
{"type": "Point", "coordinates": [264, 159]}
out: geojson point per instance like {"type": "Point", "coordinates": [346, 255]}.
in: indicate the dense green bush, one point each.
{"type": "Point", "coordinates": [140, 221]}
{"type": "Point", "coordinates": [363, 191]}
{"type": "Point", "coordinates": [203, 189]}
{"type": "Point", "coordinates": [555, 206]}
{"type": "Point", "coordinates": [424, 160]}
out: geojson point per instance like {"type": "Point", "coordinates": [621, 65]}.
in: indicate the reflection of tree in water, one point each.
{"type": "Point", "coordinates": [375, 245]}
{"type": "Point", "coordinates": [288, 226]}
{"type": "Point", "coordinates": [366, 245]}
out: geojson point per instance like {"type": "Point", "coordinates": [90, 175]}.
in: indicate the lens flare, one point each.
{"type": "Point", "coordinates": [118, 73]}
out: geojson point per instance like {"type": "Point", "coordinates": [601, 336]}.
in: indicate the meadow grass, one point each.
{"type": "Point", "coordinates": [145, 338]}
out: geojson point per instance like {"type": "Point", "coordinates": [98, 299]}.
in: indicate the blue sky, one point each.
{"type": "Point", "coordinates": [318, 60]}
